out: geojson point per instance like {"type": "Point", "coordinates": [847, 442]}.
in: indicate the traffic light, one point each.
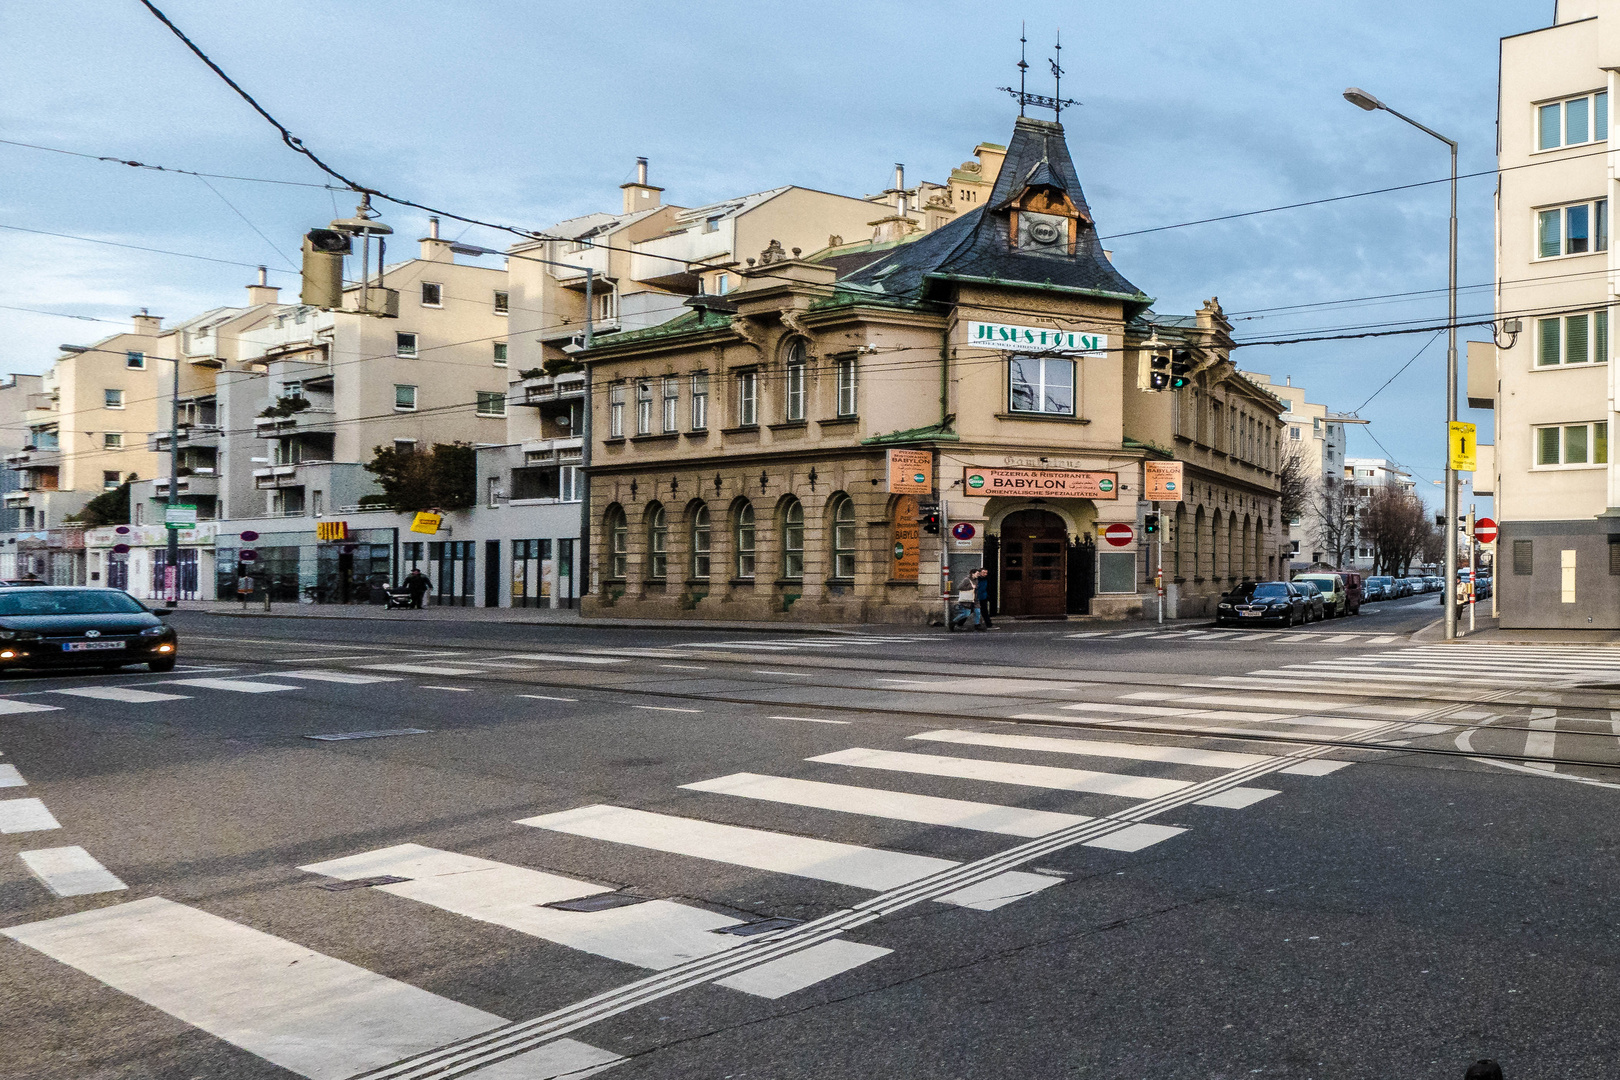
{"type": "Point", "coordinates": [1153, 371]}
{"type": "Point", "coordinates": [323, 267]}
{"type": "Point", "coordinates": [1150, 522]}
{"type": "Point", "coordinates": [930, 521]}
{"type": "Point", "coordinates": [1180, 368]}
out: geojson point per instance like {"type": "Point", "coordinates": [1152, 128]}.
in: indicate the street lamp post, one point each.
{"type": "Point", "coordinates": [1362, 99]}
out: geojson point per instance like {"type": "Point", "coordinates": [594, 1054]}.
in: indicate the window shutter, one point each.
{"type": "Point", "coordinates": [1549, 342]}
{"type": "Point", "coordinates": [1575, 339]}
{"type": "Point", "coordinates": [1522, 561]}
{"type": "Point", "coordinates": [1547, 446]}
{"type": "Point", "coordinates": [1600, 116]}
{"type": "Point", "coordinates": [1600, 337]}
{"type": "Point", "coordinates": [1600, 443]}
{"type": "Point", "coordinates": [1575, 116]}
{"type": "Point", "coordinates": [1549, 115]}
{"type": "Point", "coordinates": [1551, 237]}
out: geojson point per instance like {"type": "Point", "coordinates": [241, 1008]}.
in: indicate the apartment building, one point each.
{"type": "Point", "coordinates": [764, 455]}
{"type": "Point", "coordinates": [1557, 491]}
{"type": "Point", "coordinates": [87, 425]}
{"type": "Point", "coordinates": [1365, 477]}
{"type": "Point", "coordinates": [1317, 434]}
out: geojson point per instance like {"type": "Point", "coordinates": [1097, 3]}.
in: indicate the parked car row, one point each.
{"type": "Point", "coordinates": [1394, 588]}
{"type": "Point", "coordinates": [1314, 596]}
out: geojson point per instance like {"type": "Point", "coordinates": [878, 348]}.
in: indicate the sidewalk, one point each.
{"type": "Point", "coordinates": [1487, 630]}
{"type": "Point", "coordinates": [571, 618]}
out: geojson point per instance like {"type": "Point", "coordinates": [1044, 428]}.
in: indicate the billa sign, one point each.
{"type": "Point", "coordinates": [1047, 483]}
{"type": "Point", "coordinates": [329, 531]}
{"type": "Point", "coordinates": [911, 472]}
{"type": "Point", "coordinates": [1161, 481]}
{"type": "Point", "coordinates": [425, 522]}
{"type": "Point", "coordinates": [1036, 339]}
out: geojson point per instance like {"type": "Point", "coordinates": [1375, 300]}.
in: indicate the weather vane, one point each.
{"type": "Point", "coordinates": [1024, 98]}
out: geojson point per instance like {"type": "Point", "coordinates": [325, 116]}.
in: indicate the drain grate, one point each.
{"type": "Point", "coordinates": [361, 883]}
{"type": "Point", "coordinates": [602, 902]}
{"type": "Point", "coordinates": [763, 926]}
{"type": "Point", "coordinates": [341, 735]}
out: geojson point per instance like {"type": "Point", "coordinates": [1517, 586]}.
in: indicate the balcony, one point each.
{"type": "Point", "coordinates": [554, 451]}
{"type": "Point", "coordinates": [200, 482]}
{"type": "Point", "coordinates": [544, 389]}
{"type": "Point", "coordinates": [199, 435]}
{"type": "Point", "coordinates": [314, 418]}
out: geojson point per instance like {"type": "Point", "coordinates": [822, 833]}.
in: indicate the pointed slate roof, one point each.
{"type": "Point", "coordinates": [977, 247]}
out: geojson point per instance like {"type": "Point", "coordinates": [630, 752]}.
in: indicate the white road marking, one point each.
{"type": "Point", "coordinates": [457, 689]}
{"type": "Point", "coordinates": [1382, 640]}
{"type": "Point", "coordinates": [1237, 798]}
{"type": "Point", "coordinates": [347, 677]}
{"type": "Point", "coordinates": [70, 871]}
{"type": "Point", "coordinates": [10, 777]}
{"type": "Point", "coordinates": [120, 693]}
{"type": "Point", "coordinates": [25, 815]}
{"type": "Point", "coordinates": [572, 658]}
{"type": "Point", "coordinates": [1136, 837]}
{"type": "Point", "coordinates": [1176, 755]}
{"type": "Point", "coordinates": [310, 1013]}
{"type": "Point", "coordinates": [779, 978]}
{"type": "Point", "coordinates": [1000, 890]}
{"type": "Point", "coordinates": [12, 705]}
{"type": "Point", "coordinates": [1087, 633]}
{"type": "Point", "coordinates": [1002, 772]}
{"type": "Point", "coordinates": [808, 719]}
{"type": "Point", "coordinates": [1339, 637]}
{"type": "Point", "coordinates": [239, 686]}
{"type": "Point", "coordinates": [664, 708]}
{"type": "Point", "coordinates": [790, 674]}
{"type": "Point", "coordinates": [1539, 743]}
{"type": "Point", "coordinates": [1317, 767]}
{"type": "Point", "coordinates": [657, 934]}
{"type": "Point", "coordinates": [686, 667]}
{"type": "Point", "coordinates": [801, 856]}
{"type": "Point", "coordinates": [1132, 633]}
{"type": "Point", "coordinates": [892, 805]}
{"type": "Point", "coordinates": [424, 669]}
{"type": "Point", "coordinates": [547, 697]}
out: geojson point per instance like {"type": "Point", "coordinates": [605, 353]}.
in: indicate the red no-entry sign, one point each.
{"type": "Point", "coordinates": [1119, 534]}
{"type": "Point", "coordinates": [1485, 531]}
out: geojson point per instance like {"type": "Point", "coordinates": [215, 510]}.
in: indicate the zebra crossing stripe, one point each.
{"type": "Point", "coordinates": [70, 871]}
{"type": "Point", "coordinates": [121, 693]}
{"type": "Point", "coordinates": [464, 1058]}
{"type": "Point", "coordinates": [1175, 755]}
{"type": "Point", "coordinates": [239, 686]}
{"type": "Point", "coordinates": [1005, 772]}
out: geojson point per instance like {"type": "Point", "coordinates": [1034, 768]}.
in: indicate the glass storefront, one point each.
{"type": "Point", "coordinates": [296, 568]}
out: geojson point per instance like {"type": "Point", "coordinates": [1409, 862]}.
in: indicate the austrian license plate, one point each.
{"type": "Point", "coordinates": [1250, 614]}
{"type": "Point", "coordinates": [91, 646]}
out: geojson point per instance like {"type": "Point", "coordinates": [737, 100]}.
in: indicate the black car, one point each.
{"type": "Point", "coordinates": [61, 626]}
{"type": "Point", "coordinates": [1264, 601]}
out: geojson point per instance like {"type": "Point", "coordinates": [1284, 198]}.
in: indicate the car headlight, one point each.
{"type": "Point", "coordinates": [1226, 605]}
{"type": "Point", "coordinates": [154, 631]}
{"type": "Point", "coordinates": [18, 635]}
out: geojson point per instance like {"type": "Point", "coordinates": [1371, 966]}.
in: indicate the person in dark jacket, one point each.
{"type": "Point", "coordinates": [981, 597]}
{"type": "Point", "coordinates": [418, 585]}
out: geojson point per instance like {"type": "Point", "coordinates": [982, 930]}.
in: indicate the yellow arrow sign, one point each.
{"type": "Point", "coordinates": [1461, 445]}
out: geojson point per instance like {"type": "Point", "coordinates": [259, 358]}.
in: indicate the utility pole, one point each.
{"type": "Point", "coordinates": [171, 573]}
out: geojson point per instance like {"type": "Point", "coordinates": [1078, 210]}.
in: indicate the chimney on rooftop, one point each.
{"type": "Point", "coordinates": [899, 177]}
{"type": "Point", "coordinates": [433, 248]}
{"type": "Point", "coordinates": [433, 227]}
{"type": "Point", "coordinates": [640, 195]}
{"type": "Point", "coordinates": [263, 292]}
{"type": "Point", "coordinates": [149, 325]}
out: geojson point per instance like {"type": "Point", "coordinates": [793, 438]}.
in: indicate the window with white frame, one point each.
{"type": "Point", "coordinates": [135, 361]}
{"type": "Point", "coordinates": [569, 488]}
{"type": "Point", "coordinates": [112, 399]}
{"type": "Point", "coordinates": [405, 345]}
{"type": "Point", "coordinates": [846, 386]}
{"type": "Point", "coordinates": [112, 440]}
{"type": "Point", "coordinates": [672, 403]}
{"type": "Point", "coordinates": [743, 542]}
{"type": "Point", "coordinates": [843, 538]}
{"type": "Point", "coordinates": [1573, 121]}
{"type": "Point", "coordinates": [616, 411]}
{"type": "Point", "coordinates": [503, 302]}
{"type": "Point", "coordinates": [643, 407]}
{"type": "Point", "coordinates": [1041, 384]}
{"type": "Point", "coordinates": [793, 541]}
{"type": "Point", "coordinates": [500, 354]}
{"type": "Point", "coordinates": [404, 398]}
{"type": "Point", "coordinates": [432, 294]}
{"type": "Point", "coordinates": [1578, 229]}
{"type": "Point", "coordinates": [797, 367]}
{"type": "Point", "coordinates": [404, 446]}
{"type": "Point", "coordinates": [491, 404]}
{"type": "Point", "coordinates": [1293, 433]}
{"type": "Point", "coordinates": [1562, 445]}
{"type": "Point", "coordinates": [700, 544]}
{"type": "Point", "coordinates": [1573, 339]}
{"type": "Point", "coordinates": [712, 224]}
{"type": "Point", "coordinates": [110, 480]}
{"type": "Point", "coordinates": [700, 401]}
{"type": "Point", "coordinates": [657, 543]}
{"type": "Point", "coordinates": [747, 398]}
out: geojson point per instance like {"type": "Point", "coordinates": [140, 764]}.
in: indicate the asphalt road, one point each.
{"type": "Point", "coordinates": [1325, 852]}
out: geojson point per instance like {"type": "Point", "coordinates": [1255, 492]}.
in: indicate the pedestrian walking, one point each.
{"type": "Point", "coordinates": [418, 585]}
{"type": "Point", "coordinates": [244, 588]}
{"type": "Point", "coordinates": [966, 603]}
{"type": "Point", "coordinates": [981, 597]}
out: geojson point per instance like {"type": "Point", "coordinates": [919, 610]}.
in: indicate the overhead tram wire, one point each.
{"type": "Point", "coordinates": [168, 168]}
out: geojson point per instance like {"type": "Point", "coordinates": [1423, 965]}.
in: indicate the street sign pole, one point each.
{"type": "Point", "coordinates": [945, 582]}
{"type": "Point", "coordinates": [1473, 568]}
{"type": "Point", "coordinates": [1158, 562]}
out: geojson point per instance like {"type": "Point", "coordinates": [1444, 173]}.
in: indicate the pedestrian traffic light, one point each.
{"type": "Point", "coordinates": [323, 267]}
{"type": "Point", "coordinates": [930, 521]}
{"type": "Point", "coordinates": [1150, 522]}
{"type": "Point", "coordinates": [1180, 368]}
{"type": "Point", "coordinates": [1153, 371]}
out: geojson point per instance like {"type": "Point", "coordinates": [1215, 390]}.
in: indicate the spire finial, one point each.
{"type": "Point", "coordinates": [1056, 103]}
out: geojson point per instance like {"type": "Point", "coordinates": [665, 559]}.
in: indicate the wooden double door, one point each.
{"type": "Point", "coordinates": [1034, 565]}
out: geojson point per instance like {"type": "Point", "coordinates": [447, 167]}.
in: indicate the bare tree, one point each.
{"type": "Point", "coordinates": [1397, 524]}
{"type": "Point", "coordinates": [1296, 477]}
{"type": "Point", "coordinates": [1433, 548]}
{"type": "Point", "coordinates": [1333, 520]}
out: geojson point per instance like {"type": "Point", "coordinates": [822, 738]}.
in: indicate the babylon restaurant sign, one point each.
{"type": "Point", "coordinates": [1036, 339]}
{"type": "Point", "coordinates": [1051, 483]}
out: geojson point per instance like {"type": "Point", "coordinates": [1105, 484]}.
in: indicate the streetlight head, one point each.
{"type": "Point", "coordinates": [471, 249]}
{"type": "Point", "coordinates": [1362, 100]}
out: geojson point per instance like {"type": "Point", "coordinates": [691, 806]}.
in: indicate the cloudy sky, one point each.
{"type": "Point", "coordinates": [532, 112]}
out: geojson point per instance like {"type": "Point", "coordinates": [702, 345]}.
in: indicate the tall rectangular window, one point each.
{"type": "Point", "coordinates": [432, 294]}
{"type": "Point", "coordinates": [503, 302]}
{"type": "Point", "coordinates": [113, 399]}
{"type": "Point", "coordinates": [747, 398]}
{"type": "Point", "coordinates": [794, 404]}
{"type": "Point", "coordinates": [1550, 241]}
{"type": "Point", "coordinates": [846, 387]}
{"type": "Point", "coordinates": [1576, 128]}
{"type": "Point", "coordinates": [616, 411]}
{"type": "Point", "coordinates": [1576, 339]}
{"type": "Point", "coordinates": [405, 345]}
{"type": "Point", "coordinates": [672, 403]}
{"type": "Point", "coordinates": [500, 354]}
{"type": "Point", "coordinates": [569, 488]}
{"type": "Point", "coordinates": [1041, 385]}
{"type": "Point", "coordinates": [643, 407]}
{"type": "Point", "coordinates": [1577, 237]}
{"type": "Point", "coordinates": [700, 401]}
{"type": "Point", "coordinates": [404, 398]}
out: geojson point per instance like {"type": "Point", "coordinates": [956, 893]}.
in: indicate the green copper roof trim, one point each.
{"type": "Point", "coordinates": [932, 433]}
